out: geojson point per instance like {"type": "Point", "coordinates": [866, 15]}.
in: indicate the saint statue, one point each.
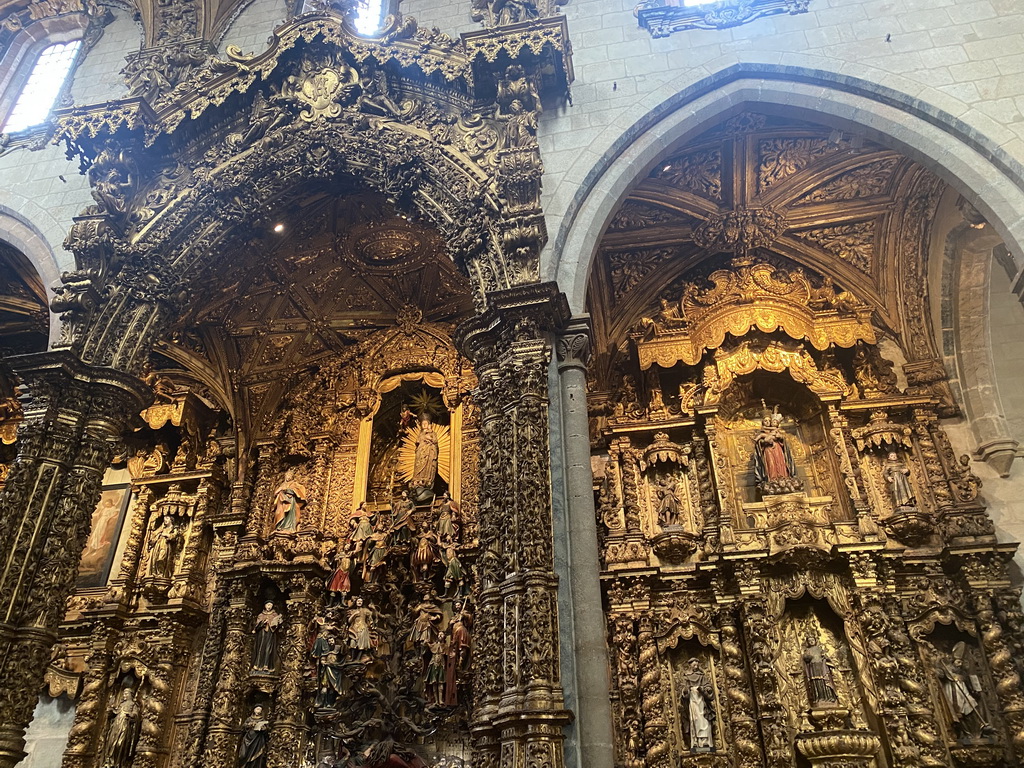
{"type": "Point", "coordinates": [447, 521]}
{"type": "Point", "coordinates": [424, 624]}
{"type": "Point", "coordinates": [265, 650]}
{"type": "Point", "coordinates": [962, 692]}
{"type": "Point", "coordinates": [405, 525]}
{"type": "Point", "coordinates": [423, 554]}
{"type": "Point", "coordinates": [458, 652]}
{"type": "Point", "coordinates": [361, 527]}
{"type": "Point", "coordinates": [376, 555]}
{"type": "Point", "coordinates": [289, 500]}
{"type": "Point", "coordinates": [425, 464]}
{"type": "Point", "coordinates": [773, 463]}
{"type": "Point", "coordinates": [821, 689]}
{"type": "Point", "coordinates": [668, 503]}
{"type": "Point", "coordinates": [164, 549]}
{"type": "Point", "coordinates": [339, 583]}
{"type": "Point", "coordinates": [434, 680]}
{"type": "Point", "coordinates": [360, 629]}
{"type": "Point", "coordinates": [897, 477]}
{"type": "Point", "coordinates": [453, 573]}
{"type": "Point", "coordinates": [122, 732]}
{"type": "Point", "coordinates": [698, 707]}
{"type": "Point", "coordinates": [252, 751]}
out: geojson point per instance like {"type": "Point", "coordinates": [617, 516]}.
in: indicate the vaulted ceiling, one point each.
{"type": "Point", "coordinates": [284, 302]}
{"type": "Point", "coordinates": [836, 203]}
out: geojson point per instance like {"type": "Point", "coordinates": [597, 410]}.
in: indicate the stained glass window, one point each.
{"type": "Point", "coordinates": [40, 92]}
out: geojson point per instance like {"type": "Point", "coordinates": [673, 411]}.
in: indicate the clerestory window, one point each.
{"type": "Point", "coordinates": [44, 84]}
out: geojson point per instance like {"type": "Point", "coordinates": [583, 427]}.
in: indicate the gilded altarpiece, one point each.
{"type": "Point", "coordinates": [323, 609]}
{"type": "Point", "coordinates": [798, 571]}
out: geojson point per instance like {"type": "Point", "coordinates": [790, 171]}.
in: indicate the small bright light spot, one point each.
{"type": "Point", "coordinates": [979, 225]}
{"type": "Point", "coordinates": [279, 228]}
{"type": "Point", "coordinates": [40, 92]}
{"type": "Point", "coordinates": [370, 17]}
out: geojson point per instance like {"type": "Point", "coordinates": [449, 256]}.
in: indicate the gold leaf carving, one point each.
{"type": "Point", "coordinates": [781, 158]}
{"type": "Point", "coordinates": [853, 243]}
{"type": "Point", "coordinates": [697, 172]}
{"type": "Point", "coordinates": [867, 181]}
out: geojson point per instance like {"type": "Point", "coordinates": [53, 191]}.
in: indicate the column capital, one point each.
{"type": "Point", "coordinates": [574, 344]}
{"type": "Point", "coordinates": [524, 310]}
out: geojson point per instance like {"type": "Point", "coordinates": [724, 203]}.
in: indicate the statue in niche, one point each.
{"type": "Point", "coordinates": [821, 688]}
{"type": "Point", "coordinates": [360, 629]}
{"type": "Point", "coordinates": [425, 465]}
{"type": "Point", "coordinates": [252, 751]}
{"type": "Point", "coordinates": [774, 468]}
{"type": "Point", "coordinates": [698, 710]}
{"type": "Point", "coordinates": [404, 527]}
{"type": "Point", "coordinates": [897, 477]}
{"type": "Point", "coordinates": [123, 732]}
{"type": "Point", "coordinates": [963, 694]}
{"type": "Point", "coordinates": [289, 500]}
{"type": "Point", "coordinates": [668, 503]}
{"type": "Point", "coordinates": [166, 539]}
{"type": "Point", "coordinates": [264, 656]}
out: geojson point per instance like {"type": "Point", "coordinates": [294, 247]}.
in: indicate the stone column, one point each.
{"type": "Point", "coordinates": [519, 714]}
{"type": "Point", "coordinates": [594, 718]}
{"type": "Point", "coordinates": [75, 413]}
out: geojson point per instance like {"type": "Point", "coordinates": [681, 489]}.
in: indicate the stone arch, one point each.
{"type": "Point", "coordinates": [984, 174]}
{"type": "Point", "coordinates": [32, 245]}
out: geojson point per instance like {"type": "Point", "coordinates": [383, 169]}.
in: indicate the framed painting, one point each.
{"type": "Point", "coordinates": [107, 522]}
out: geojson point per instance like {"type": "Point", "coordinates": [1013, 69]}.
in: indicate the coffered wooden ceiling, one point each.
{"type": "Point", "coordinates": [830, 201]}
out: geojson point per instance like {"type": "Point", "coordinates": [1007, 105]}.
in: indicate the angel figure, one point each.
{"type": "Point", "coordinates": [668, 503]}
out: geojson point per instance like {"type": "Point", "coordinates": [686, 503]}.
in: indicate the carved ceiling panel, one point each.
{"type": "Point", "coordinates": [823, 198]}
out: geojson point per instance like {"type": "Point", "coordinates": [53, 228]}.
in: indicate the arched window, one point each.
{"type": "Point", "coordinates": [370, 17]}
{"type": "Point", "coordinates": [38, 95]}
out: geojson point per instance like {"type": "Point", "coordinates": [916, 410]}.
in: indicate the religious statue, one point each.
{"type": "Point", "coordinates": [897, 477]}
{"type": "Point", "coordinates": [453, 573]}
{"type": "Point", "coordinates": [122, 732]}
{"type": "Point", "coordinates": [425, 463]}
{"type": "Point", "coordinates": [821, 689]}
{"type": "Point", "coordinates": [773, 463]}
{"type": "Point", "coordinates": [404, 525]}
{"type": "Point", "coordinates": [447, 521]}
{"type": "Point", "coordinates": [289, 500]}
{"type": "Point", "coordinates": [424, 625]}
{"type": "Point", "coordinates": [423, 554]}
{"type": "Point", "coordinates": [361, 528]}
{"type": "Point", "coordinates": [458, 652]}
{"type": "Point", "coordinates": [963, 694]}
{"type": "Point", "coordinates": [698, 710]}
{"type": "Point", "coordinates": [264, 655]}
{"type": "Point", "coordinates": [339, 583]}
{"type": "Point", "coordinates": [164, 551]}
{"type": "Point", "coordinates": [434, 678]}
{"type": "Point", "coordinates": [360, 629]}
{"type": "Point", "coordinates": [668, 503]}
{"type": "Point", "coordinates": [252, 751]}
{"type": "Point", "coordinates": [376, 555]}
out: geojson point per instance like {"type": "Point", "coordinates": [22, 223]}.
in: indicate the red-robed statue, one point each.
{"type": "Point", "coordinates": [773, 463]}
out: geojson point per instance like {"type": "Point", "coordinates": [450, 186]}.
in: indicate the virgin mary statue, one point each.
{"type": "Point", "coordinates": [425, 464]}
